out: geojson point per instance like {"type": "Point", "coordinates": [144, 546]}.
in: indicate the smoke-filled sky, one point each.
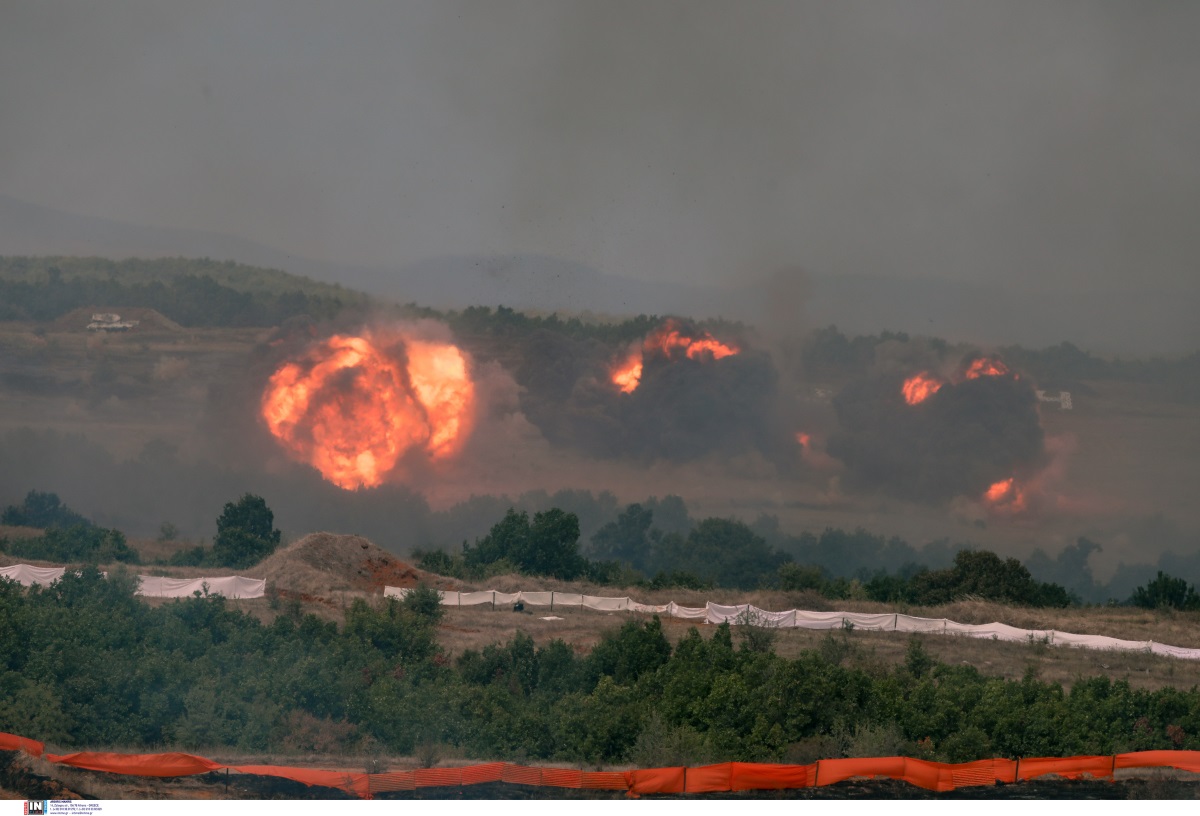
{"type": "Point", "coordinates": [1041, 145]}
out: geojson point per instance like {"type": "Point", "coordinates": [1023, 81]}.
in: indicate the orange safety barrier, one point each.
{"type": "Point", "coordinates": [1067, 767]}
{"type": "Point", "coordinates": [1182, 760]}
{"type": "Point", "coordinates": [761, 776]}
{"type": "Point", "coordinates": [726, 776]}
{"type": "Point", "coordinates": [655, 780]}
{"type": "Point", "coordinates": [11, 742]}
{"type": "Point", "coordinates": [137, 764]}
{"type": "Point", "coordinates": [356, 783]}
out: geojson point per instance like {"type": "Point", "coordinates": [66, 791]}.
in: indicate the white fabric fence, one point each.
{"type": "Point", "coordinates": [796, 618]}
{"type": "Point", "coordinates": [152, 586]}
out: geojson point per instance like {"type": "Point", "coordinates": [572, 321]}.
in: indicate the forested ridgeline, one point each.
{"type": "Point", "coordinates": [198, 292]}
{"type": "Point", "coordinates": [191, 292]}
{"type": "Point", "coordinates": [86, 664]}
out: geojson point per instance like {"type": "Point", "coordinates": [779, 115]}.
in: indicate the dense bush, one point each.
{"type": "Point", "coordinates": [246, 533]}
{"type": "Point", "coordinates": [80, 543]}
{"type": "Point", "coordinates": [84, 663]}
{"type": "Point", "coordinates": [41, 510]}
{"type": "Point", "coordinates": [1165, 592]}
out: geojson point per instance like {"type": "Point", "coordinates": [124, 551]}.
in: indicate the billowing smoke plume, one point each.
{"type": "Point", "coordinates": [928, 439]}
{"type": "Point", "coordinates": [677, 394]}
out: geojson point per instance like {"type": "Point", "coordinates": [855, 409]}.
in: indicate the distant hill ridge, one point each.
{"type": "Point", "coordinates": [1133, 321]}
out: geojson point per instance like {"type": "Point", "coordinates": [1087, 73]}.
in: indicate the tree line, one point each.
{"type": "Point", "coordinates": [193, 300]}
{"type": "Point", "coordinates": [84, 663]}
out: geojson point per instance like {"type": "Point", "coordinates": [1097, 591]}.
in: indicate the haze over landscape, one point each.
{"type": "Point", "coordinates": [989, 172]}
{"type": "Point", "coordinates": [853, 325]}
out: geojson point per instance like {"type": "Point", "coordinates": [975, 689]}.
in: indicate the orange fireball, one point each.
{"type": "Point", "coordinates": [352, 410]}
{"type": "Point", "coordinates": [671, 341]}
{"type": "Point", "coordinates": [628, 375]}
{"type": "Point", "coordinates": [985, 367]}
{"type": "Point", "coordinates": [1006, 495]}
{"type": "Point", "coordinates": [920, 387]}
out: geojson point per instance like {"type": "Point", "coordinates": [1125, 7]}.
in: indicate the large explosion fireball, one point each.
{"type": "Point", "coordinates": [352, 407]}
{"type": "Point", "coordinates": [928, 438]}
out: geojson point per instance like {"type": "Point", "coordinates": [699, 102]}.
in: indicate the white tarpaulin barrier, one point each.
{"type": "Point", "coordinates": [1174, 651]}
{"type": "Point", "coordinates": [1099, 642]}
{"type": "Point", "coordinates": [606, 604]}
{"type": "Point", "coordinates": [780, 620]}
{"type": "Point", "coordinates": [820, 620]}
{"type": "Point", "coordinates": [29, 575]}
{"type": "Point", "coordinates": [152, 586]}
{"type": "Point", "coordinates": [233, 586]}
{"type": "Point", "coordinates": [687, 612]}
{"type": "Point", "coordinates": [869, 621]}
{"type": "Point", "coordinates": [907, 623]}
{"type": "Point", "coordinates": [650, 609]}
{"type": "Point", "coordinates": [720, 614]}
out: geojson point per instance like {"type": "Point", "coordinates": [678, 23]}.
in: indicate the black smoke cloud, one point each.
{"type": "Point", "coordinates": [958, 442]}
{"type": "Point", "coordinates": [681, 410]}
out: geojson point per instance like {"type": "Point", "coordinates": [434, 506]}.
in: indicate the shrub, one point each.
{"type": "Point", "coordinates": [246, 533]}
{"type": "Point", "coordinates": [1165, 592]}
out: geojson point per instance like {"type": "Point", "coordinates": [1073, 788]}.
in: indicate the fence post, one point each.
{"type": "Point", "coordinates": [896, 622]}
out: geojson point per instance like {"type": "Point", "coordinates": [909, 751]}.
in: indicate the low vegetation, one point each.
{"type": "Point", "coordinates": [86, 663]}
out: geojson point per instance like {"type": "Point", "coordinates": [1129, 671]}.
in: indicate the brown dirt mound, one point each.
{"type": "Point", "coordinates": [322, 563]}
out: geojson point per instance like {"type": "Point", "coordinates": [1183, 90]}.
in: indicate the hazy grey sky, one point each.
{"type": "Point", "coordinates": [1047, 144]}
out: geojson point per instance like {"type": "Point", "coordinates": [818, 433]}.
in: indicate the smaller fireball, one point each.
{"type": "Point", "coordinates": [985, 367]}
{"type": "Point", "coordinates": [628, 375]}
{"type": "Point", "coordinates": [921, 387]}
{"type": "Point", "coordinates": [671, 341]}
{"type": "Point", "coordinates": [1006, 495]}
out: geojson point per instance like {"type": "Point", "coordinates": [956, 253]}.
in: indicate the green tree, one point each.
{"type": "Point", "coordinates": [1166, 592]}
{"type": "Point", "coordinates": [627, 538]}
{"type": "Point", "coordinates": [41, 510]}
{"type": "Point", "coordinates": [548, 546]}
{"type": "Point", "coordinates": [246, 533]}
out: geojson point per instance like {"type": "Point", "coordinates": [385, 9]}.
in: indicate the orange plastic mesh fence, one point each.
{"type": "Point", "coordinates": [727, 776]}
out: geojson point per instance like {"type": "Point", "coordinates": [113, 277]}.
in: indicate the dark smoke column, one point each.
{"type": "Point", "coordinates": [958, 441]}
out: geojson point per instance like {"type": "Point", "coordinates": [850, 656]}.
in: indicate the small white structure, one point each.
{"type": "Point", "coordinates": [1063, 399]}
{"type": "Point", "coordinates": [108, 322]}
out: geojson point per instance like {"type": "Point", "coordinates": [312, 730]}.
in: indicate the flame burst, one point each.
{"type": "Point", "coordinates": [628, 375]}
{"type": "Point", "coordinates": [671, 341]}
{"type": "Point", "coordinates": [351, 410]}
{"type": "Point", "coordinates": [921, 387]}
{"type": "Point", "coordinates": [985, 367]}
{"type": "Point", "coordinates": [1006, 495]}
{"type": "Point", "coordinates": [803, 439]}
